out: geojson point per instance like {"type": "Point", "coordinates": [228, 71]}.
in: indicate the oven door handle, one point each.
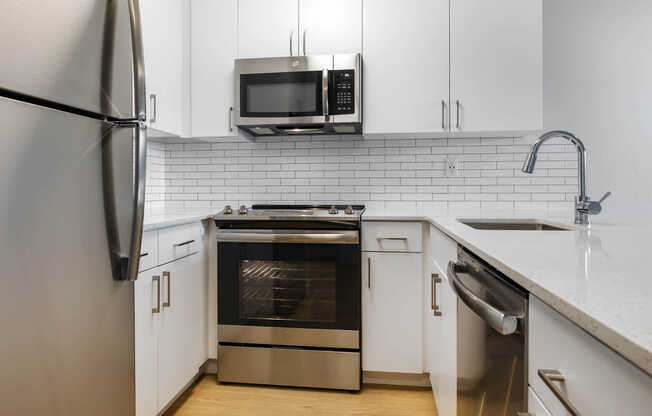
{"type": "Point", "coordinates": [288, 236]}
{"type": "Point", "coordinates": [503, 322]}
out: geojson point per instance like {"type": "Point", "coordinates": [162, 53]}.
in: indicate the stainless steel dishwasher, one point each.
{"type": "Point", "coordinates": [491, 339]}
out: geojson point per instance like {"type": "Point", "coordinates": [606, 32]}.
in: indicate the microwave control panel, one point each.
{"type": "Point", "coordinates": [341, 92]}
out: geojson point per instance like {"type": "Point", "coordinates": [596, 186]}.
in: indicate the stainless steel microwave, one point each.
{"type": "Point", "coordinates": [298, 95]}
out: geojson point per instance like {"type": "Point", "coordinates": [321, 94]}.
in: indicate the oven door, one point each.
{"type": "Point", "coordinates": [307, 280]}
{"type": "Point", "coordinates": [282, 91]}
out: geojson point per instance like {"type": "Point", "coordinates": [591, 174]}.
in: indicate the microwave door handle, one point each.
{"type": "Point", "coordinates": [503, 322]}
{"type": "Point", "coordinates": [324, 97]}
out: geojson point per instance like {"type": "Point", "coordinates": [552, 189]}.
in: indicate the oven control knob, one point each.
{"type": "Point", "coordinates": [227, 210]}
{"type": "Point", "coordinates": [242, 210]}
{"type": "Point", "coordinates": [332, 210]}
{"type": "Point", "coordinates": [349, 210]}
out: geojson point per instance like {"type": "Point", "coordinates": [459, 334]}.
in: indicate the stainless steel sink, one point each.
{"type": "Point", "coordinates": [512, 224]}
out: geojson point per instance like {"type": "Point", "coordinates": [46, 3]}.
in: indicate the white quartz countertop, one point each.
{"type": "Point", "coordinates": [174, 218]}
{"type": "Point", "coordinates": [599, 277]}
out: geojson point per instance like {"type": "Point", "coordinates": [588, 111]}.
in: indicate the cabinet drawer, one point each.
{"type": "Point", "coordinates": [442, 249]}
{"type": "Point", "coordinates": [176, 242]}
{"type": "Point", "coordinates": [391, 236]}
{"type": "Point", "coordinates": [597, 381]}
{"type": "Point", "coordinates": [149, 251]}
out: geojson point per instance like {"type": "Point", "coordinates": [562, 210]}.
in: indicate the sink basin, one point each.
{"type": "Point", "coordinates": [512, 224]}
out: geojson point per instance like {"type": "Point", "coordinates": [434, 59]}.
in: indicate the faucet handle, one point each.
{"type": "Point", "coordinates": [605, 196]}
{"type": "Point", "coordinates": [595, 207]}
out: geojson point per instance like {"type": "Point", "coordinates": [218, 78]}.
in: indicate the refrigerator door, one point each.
{"type": "Point", "coordinates": [76, 53]}
{"type": "Point", "coordinates": [67, 326]}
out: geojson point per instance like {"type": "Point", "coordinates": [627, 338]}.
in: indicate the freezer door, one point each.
{"type": "Point", "coordinates": [72, 52]}
{"type": "Point", "coordinates": [67, 326]}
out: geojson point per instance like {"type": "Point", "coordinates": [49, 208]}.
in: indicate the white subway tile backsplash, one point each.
{"type": "Point", "coordinates": [379, 172]}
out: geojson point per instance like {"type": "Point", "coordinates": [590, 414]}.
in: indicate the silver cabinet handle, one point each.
{"type": "Point", "coordinates": [501, 321]}
{"type": "Point", "coordinates": [230, 118]}
{"type": "Point", "coordinates": [457, 105]}
{"type": "Point", "coordinates": [152, 104]}
{"type": "Point", "coordinates": [392, 238]}
{"type": "Point", "coordinates": [369, 272]}
{"type": "Point", "coordinates": [185, 243]}
{"type": "Point", "coordinates": [443, 115]}
{"type": "Point", "coordinates": [157, 279]}
{"type": "Point", "coordinates": [304, 42]}
{"type": "Point", "coordinates": [167, 303]}
{"type": "Point", "coordinates": [434, 279]}
{"type": "Point", "coordinates": [550, 376]}
{"type": "Point", "coordinates": [291, 36]}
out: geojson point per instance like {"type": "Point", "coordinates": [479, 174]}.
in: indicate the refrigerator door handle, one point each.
{"type": "Point", "coordinates": [128, 269]}
{"type": "Point", "coordinates": [138, 60]}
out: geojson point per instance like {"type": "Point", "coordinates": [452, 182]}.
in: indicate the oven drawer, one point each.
{"type": "Point", "coordinates": [295, 337]}
{"type": "Point", "coordinates": [177, 242]}
{"type": "Point", "coordinates": [391, 236]}
{"type": "Point", "coordinates": [289, 367]}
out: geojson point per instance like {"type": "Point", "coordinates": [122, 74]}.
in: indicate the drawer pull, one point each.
{"type": "Point", "coordinates": [144, 254]}
{"type": "Point", "coordinates": [157, 279]}
{"type": "Point", "coordinates": [185, 243]}
{"type": "Point", "coordinates": [369, 272]}
{"type": "Point", "coordinates": [550, 376]}
{"type": "Point", "coordinates": [434, 279]}
{"type": "Point", "coordinates": [167, 304]}
{"type": "Point", "coordinates": [392, 238]}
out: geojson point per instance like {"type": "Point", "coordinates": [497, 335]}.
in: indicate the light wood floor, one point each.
{"type": "Point", "coordinates": [207, 397]}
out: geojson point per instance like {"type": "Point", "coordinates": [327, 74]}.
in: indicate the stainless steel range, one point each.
{"type": "Point", "coordinates": [289, 295]}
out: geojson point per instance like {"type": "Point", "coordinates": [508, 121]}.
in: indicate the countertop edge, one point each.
{"type": "Point", "coordinates": [637, 355]}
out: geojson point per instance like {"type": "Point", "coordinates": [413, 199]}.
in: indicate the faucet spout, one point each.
{"type": "Point", "coordinates": [582, 201]}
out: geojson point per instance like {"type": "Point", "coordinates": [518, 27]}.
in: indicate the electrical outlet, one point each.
{"type": "Point", "coordinates": [451, 167]}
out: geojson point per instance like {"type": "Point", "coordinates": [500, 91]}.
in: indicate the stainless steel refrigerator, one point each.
{"type": "Point", "coordinates": [72, 165]}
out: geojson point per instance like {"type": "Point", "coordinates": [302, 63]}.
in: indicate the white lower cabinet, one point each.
{"type": "Point", "coordinates": [534, 405]}
{"type": "Point", "coordinates": [441, 328]}
{"type": "Point", "coordinates": [597, 381]}
{"type": "Point", "coordinates": [392, 326]}
{"type": "Point", "coordinates": [170, 330]}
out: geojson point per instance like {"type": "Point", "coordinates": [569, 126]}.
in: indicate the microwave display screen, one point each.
{"type": "Point", "coordinates": [295, 97]}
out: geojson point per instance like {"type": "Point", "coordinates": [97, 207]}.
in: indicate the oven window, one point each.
{"type": "Point", "coordinates": [284, 94]}
{"type": "Point", "coordinates": [288, 290]}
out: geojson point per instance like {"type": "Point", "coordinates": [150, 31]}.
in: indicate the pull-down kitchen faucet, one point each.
{"type": "Point", "coordinates": [583, 204]}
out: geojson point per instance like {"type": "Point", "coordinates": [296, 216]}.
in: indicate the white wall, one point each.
{"type": "Point", "coordinates": [598, 84]}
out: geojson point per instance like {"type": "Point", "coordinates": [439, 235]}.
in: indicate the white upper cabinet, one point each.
{"type": "Point", "coordinates": [214, 34]}
{"type": "Point", "coordinates": [405, 58]}
{"type": "Point", "coordinates": [496, 65]}
{"type": "Point", "coordinates": [330, 26]}
{"type": "Point", "coordinates": [166, 40]}
{"type": "Point", "coordinates": [268, 28]}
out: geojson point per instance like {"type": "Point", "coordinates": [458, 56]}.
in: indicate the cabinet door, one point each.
{"type": "Point", "coordinates": [165, 38]}
{"type": "Point", "coordinates": [447, 350]}
{"type": "Point", "coordinates": [496, 64]}
{"type": "Point", "coordinates": [392, 325]}
{"type": "Point", "coordinates": [146, 321]}
{"type": "Point", "coordinates": [330, 26]}
{"type": "Point", "coordinates": [176, 336]}
{"type": "Point", "coordinates": [213, 46]}
{"type": "Point", "coordinates": [405, 66]}
{"type": "Point", "coordinates": [268, 28]}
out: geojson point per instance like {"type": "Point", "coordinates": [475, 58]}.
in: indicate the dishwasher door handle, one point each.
{"type": "Point", "coordinates": [503, 322]}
